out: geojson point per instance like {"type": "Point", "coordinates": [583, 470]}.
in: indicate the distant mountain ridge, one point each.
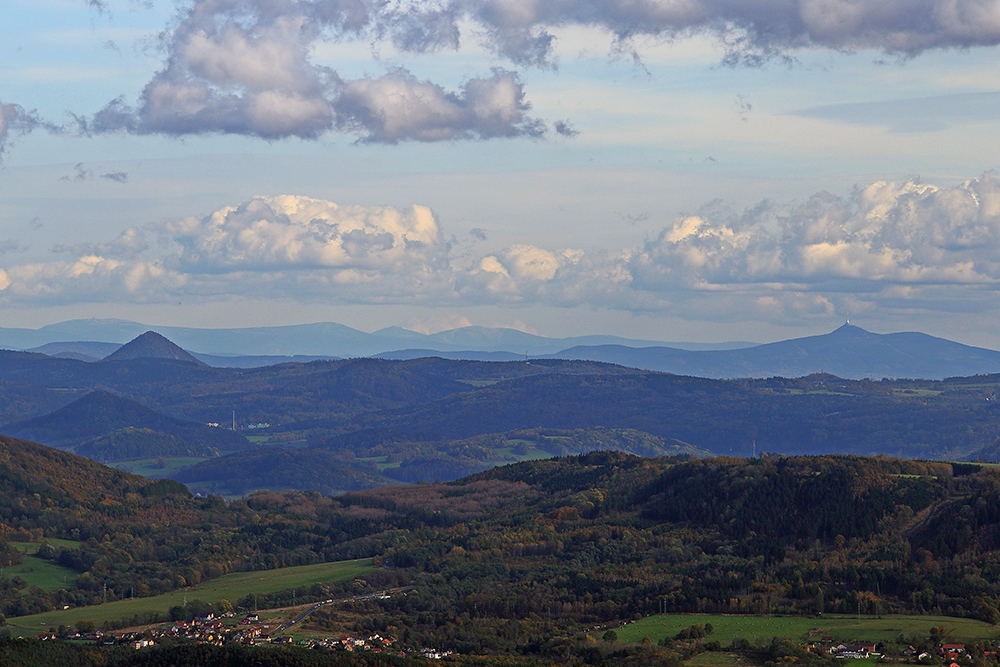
{"type": "Point", "coordinates": [848, 352]}
{"type": "Point", "coordinates": [326, 340]}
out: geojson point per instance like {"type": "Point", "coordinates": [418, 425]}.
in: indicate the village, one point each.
{"type": "Point", "coordinates": [947, 655]}
{"type": "Point", "coordinates": [221, 630]}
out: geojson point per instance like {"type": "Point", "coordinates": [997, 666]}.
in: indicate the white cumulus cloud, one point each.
{"type": "Point", "coordinates": [287, 247]}
{"type": "Point", "coordinates": [898, 245]}
{"type": "Point", "coordinates": [294, 233]}
{"type": "Point", "coordinates": [398, 107]}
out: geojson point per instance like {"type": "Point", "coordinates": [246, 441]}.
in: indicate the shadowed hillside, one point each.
{"type": "Point", "coordinates": [150, 345]}
{"type": "Point", "coordinates": [101, 413]}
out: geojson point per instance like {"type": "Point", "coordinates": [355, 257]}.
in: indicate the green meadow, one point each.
{"type": "Point", "coordinates": [231, 587]}
{"type": "Point", "coordinates": [841, 628]}
{"type": "Point", "coordinates": [39, 572]}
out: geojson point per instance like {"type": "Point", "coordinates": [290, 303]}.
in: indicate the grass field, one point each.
{"type": "Point", "coordinates": [39, 572]}
{"type": "Point", "coordinates": [916, 392]}
{"type": "Point", "coordinates": [33, 547]}
{"type": "Point", "coordinates": [841, 628]}
{"type": "Point", "coordinates": [231, 587]}
{"type": "Point", "coordinates": [43, 573]}
{"type": "Point", "coordinates": [381, 462]}
{"type": "Point", "coordinates": [524, 450]}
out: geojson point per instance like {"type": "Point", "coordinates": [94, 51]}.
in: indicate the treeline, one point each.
{"type": "Point", "coordinates": [523, 559]}
{"type": "Point", "coordinates": [132, 443]}
{"type": "Point", "coordinates": [613, 537]}
{"type": "Point", "coordinates": [814, 415]}
{"type": "Point", "coordinates": [137, 537]}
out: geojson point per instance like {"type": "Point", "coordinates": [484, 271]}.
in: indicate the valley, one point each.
{"type": "Point", "coordinates": [351, 424]}
{"type": "Point", "coordinates": [574, 512]}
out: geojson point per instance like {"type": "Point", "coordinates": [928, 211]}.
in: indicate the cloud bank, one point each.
{"type": "Point", "coordinates": [266, 247]}
{"type": "Point", "coordinates": [247, 67]}
{"type": "Point", "coordinates": [901, 246]}
{"type": "Point", "coordinates": [751, 32]}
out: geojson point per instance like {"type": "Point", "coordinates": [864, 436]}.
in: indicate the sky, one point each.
{"type": "Point", "coordinates": [674, 170]}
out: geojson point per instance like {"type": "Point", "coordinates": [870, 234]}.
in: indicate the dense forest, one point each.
{"type": "Point", "coordinates": [349, 424]}
{"type": "Point", "coordinates": [523, 559]}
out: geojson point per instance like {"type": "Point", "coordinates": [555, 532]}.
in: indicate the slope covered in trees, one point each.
{"type": "Point", "coordinates": [276, 467]}
{"type": "Point", "coordinates": [131, 443]}
{"type": "Point", "coordinates": [100, 414]}
{"type": "Point", "coordinates": [819, 414]}
{"type": "Point", "coordinates": [545, 547]}
{"type": "Point", "coordinates": [151, 345]}
{"type": "Point", "coordinates": [429, 419]}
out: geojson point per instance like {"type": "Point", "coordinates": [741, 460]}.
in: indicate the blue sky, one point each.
{"type": "Point", "coordinates": [698, 170]}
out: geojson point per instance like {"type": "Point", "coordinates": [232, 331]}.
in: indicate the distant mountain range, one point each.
{"type": "Point", "coordinates": [351, 423]}
{"type": "Point", "coordinates": [848, 352]}
{"type": "Point", "coordinates": [325, 340]}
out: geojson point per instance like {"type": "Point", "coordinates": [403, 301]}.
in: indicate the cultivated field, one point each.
{"type": "Point", "coordinates": [841, 628]}
{"type": "Point", "coordinates": [231, 587]}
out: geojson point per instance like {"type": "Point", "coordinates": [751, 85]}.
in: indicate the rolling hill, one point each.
{"type": "Point", "coordinates": [812, 415]}
{"type": "Point", "coordinates": [100, 414]}
{"type": "Point", "coordinates": [277, 468]}
{"type": "Point", "coordinates": [433, 418]}
{"type": "Point", "coordinates": [64, 478]}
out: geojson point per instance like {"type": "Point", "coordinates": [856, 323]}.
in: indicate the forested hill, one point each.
{"type": "Point", "coordinates": [616, 536]}
{"type": "Point", "coordinates": [151, 345]}
{"type": "Point", "coordinates": [814, 415]}
{"type": "Point", "coordinates": [517, 559]}
{"type": "Point", "coordinates": [27, 468]}
{"type": "Point", "coordinates": [360, 422]}
{"type": "Point", "coordinates": [100, 413]}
